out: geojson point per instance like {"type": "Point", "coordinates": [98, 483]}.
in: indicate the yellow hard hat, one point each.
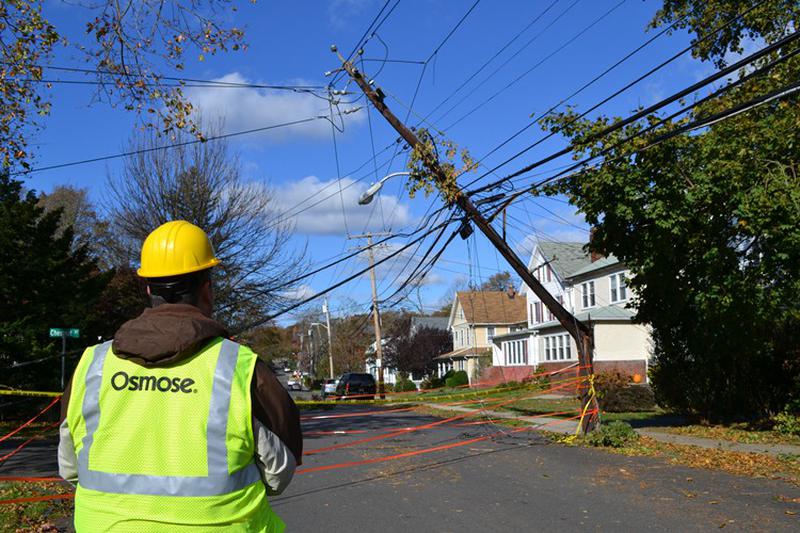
{"type": "Point", "coordinates": [176, 248]}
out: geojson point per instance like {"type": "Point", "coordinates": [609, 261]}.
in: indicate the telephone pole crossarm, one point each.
{"type": "Point", "coordinates": [580, 332]}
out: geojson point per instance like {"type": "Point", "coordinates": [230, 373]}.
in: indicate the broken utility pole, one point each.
{"type": "Point", "coordinates": [582, 333]}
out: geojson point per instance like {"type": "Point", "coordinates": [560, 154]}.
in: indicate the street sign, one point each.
{"type": "Point", "coordinates": [65, 332]}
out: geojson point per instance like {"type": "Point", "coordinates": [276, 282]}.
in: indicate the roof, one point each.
{"type": "Point", "coordinates": [565, 257]}
{"type": "Point", "coordinates": [470, 351]}
{"type": "Point", "coordinates": [608, 312]}
{"type": "Point", "coordinates": [492, 307]}
{"type": "Point", "coordinates": [431, 322]}
{"type": "Point", "coordinates": [603, 262]}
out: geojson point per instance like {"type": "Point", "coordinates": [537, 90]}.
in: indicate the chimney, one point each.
{"type": "Point", "coordinates": [593, 256]}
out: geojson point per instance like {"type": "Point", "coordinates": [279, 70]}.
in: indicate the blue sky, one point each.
{"type": "Point", "coordinates": [289, 43]}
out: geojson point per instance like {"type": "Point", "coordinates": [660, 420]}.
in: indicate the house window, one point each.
{"type": "Point", "coordinates": [588, 294]}
{"type": "Point", "coordinates": [490, 333]}
{"type": "Point", "coordinates": [619, 288]}
{"type": "Point", "coordinates": [549, 273]}
{"type": "Point", "coordinates": [557, 348]}
{"type": "Point", "coordinates": [516, 352]}
{"type": "Point", "coordinates": [538, 315]}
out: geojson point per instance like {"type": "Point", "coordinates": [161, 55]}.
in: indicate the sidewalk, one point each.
{"type": "Point", "coordinates": [557, 425]}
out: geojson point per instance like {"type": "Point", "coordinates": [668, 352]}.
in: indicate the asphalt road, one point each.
{"type": "Point", "coordinates": [515, 482]}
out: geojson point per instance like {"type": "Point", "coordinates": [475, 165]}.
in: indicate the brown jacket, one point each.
{"type": "Point", "coordinates": [169, 333]}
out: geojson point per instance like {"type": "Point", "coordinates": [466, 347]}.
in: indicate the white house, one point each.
{"type": "Point", "coordinates": [594, 289]}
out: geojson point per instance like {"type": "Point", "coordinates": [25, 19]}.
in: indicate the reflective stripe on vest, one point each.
{"type": "Point", "coordinates": [218, 481]}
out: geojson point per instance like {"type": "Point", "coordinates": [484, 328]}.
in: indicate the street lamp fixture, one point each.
{"type": "Point", "coordinates": [373, 189]}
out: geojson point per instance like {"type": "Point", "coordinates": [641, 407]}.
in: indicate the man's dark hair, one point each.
{"type": "Point", "coordinates": [178, 289]}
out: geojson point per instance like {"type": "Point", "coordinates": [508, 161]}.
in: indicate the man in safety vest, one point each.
{"type": "Point", "coordinates": [171, 426]}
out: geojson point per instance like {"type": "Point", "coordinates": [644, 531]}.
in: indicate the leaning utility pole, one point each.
{"type": "Point", "coordinates": [375, 310]}
{"type": "Point", "coordinates": [579, 331]}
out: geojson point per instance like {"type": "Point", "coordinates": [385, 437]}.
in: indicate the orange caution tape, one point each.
{"type": "Point", "coordinates": [64, 496]}
{"type": "Point", "coordinates": [29, 422]}
{"type": "Point", "coordinates": [407, 454]}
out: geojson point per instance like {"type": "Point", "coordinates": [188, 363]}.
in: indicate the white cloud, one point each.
{"type": "Point", "coordinates": [301, 292]}
{"type": "Point", "coordinates": [317, 207]}
{"type": "Point", "coordinates": [246, 109]}
{"type": "Point", "coordinates": [342, 13]}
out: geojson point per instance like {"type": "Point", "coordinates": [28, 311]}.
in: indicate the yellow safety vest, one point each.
{"type": "Point", "coordinates": [167, 448]}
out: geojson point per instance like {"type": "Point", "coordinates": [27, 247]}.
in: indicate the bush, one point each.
{"type": "Point", "coordinates": [457, 379]}
{"type": "Point", "coordinates": [787, 423]}
{"type": "Point", "coordinates": [431, 382]}
{"type": "Point", "coordinates": [405, 385]}
{"type": "Point", "coordinates": [614, 435]}
{"type": "Point", "coordinates": [388, 387]}
{"type": "Point", "coordinates": [508, 385]}
{"type": "Point", "coordinates": [616, 394]}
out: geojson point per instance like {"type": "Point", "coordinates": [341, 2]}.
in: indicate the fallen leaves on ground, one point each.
{"type": "Point", "coordinates": [739, 463]}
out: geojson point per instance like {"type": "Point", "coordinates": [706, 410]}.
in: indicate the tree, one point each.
{"type": "Point", "coordinates": [78, 213]}
{"type": "Point", "coordinates": [202, 183]}
{"type": "Point", "coordinates": [500, 281]}
{"type": "Point", "coordinates": [415, 354]}
{"type": "Point", "coordinates": [44, 282]}
{"type": "Point", "coordinates": [129, 43]}
{"type": "Point", "coordinates": [709, 226]}
{"type": "Point", "coordinates": [271, 342]}
{"type": "Point", "coordinates": [351, 336]}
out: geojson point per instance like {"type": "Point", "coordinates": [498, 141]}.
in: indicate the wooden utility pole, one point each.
{"type": "Point", "coordinates": [376, 316]}
{"type": "Point", "coordinates": [579, 331]}
{"type": "Point", "coordinates": [330, 335]}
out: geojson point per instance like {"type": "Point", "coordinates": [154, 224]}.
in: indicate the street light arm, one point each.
{"type": "Point", "coordinates": [373, 189]}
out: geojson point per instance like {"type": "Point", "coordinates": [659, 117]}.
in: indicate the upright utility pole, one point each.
{"type": "Point", "coordinates": [330, 333]}
{"type": "Point", "coordinates": [376, 317]}
{"type": "Point", "coordinates": [579, 331]}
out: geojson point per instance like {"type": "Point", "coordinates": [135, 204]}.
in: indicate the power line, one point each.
{"type": "Point", "coordinates": [688, 127]}
{"type": "Point", "coordinates": [534, 67]}
{"type": "Point", "coordinates": [452, 31]}
{"type": "Point", "coordinates": [361, 42]}
{"type": "Point", "coordinates": [168, 146]}
{"type": "Point", "coordinates": [651, 109]}
{"type": "Point", "coordinates": [485, 64]}
{"type": "Point", "coordinates": [181, 81]}
{"type": "Point", "coordinates": [340, 283]}
{"type": "Point", "coordinates": [612, 96]}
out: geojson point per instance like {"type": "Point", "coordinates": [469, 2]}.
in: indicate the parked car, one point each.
{"type": "Point", "coordinates": [356, 386]}
{"type": "Point", "coordinates": [329, 387]}
{"type": "Point", "coordinates": [294, 384]}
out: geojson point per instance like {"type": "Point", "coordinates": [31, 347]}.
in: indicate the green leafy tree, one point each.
{"type": "Point", "coordinates": [44, 282]}
{"type": "Point", "coordinates": [708, 224]}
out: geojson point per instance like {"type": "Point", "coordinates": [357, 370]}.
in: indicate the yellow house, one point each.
{"type": "Point", "coordinates": [476, 317]}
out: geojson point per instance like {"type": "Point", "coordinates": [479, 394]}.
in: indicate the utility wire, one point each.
{"type": "Point", "coordinates": [169, 146]}
{"type": "Point", "coordinates": [487, 62]}
{"type": "Point", "coordinates": [361, 42]}
{"type": "Point", "coordinates": [181, 81]}
{"type": "Point", "coordinates": [534, 67]}
{"type": "Point", "coordinates": [340, 283]}
{"type": "Point", "coordinates": [688, 127]}
{"type": "Point", "coordinates": [650, 109]}
{"type": "Point", "coordinates": [614, 95]}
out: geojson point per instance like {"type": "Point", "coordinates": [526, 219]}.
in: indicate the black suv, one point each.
{"type": "Point", "coordinates": [356, 386]}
